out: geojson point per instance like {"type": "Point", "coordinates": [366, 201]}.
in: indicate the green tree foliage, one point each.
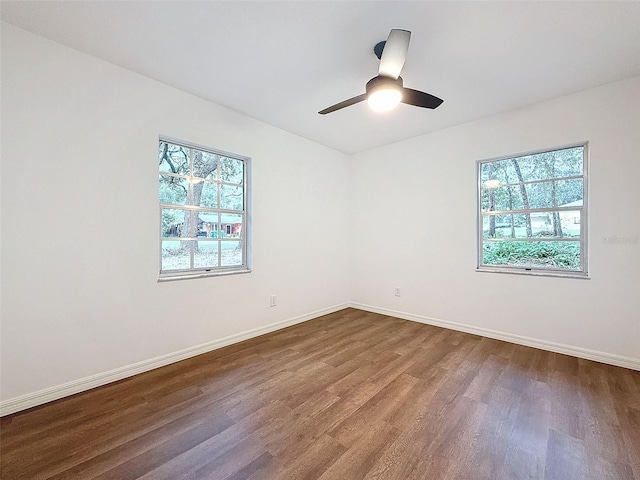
{"type": "Point", "coordinates": [564, 255]}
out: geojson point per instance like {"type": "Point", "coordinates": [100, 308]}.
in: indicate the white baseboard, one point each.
{"type": "Point", "coordinates": [602, 357]}
{"type": "Point", "coordinates": [40, 397]}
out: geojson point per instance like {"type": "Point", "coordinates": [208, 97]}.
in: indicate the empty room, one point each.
{"type": "Point", "coordinates": [320, 240]}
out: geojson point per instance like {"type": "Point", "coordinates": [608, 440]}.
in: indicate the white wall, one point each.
{"type": "Point", "coordinates": [413, 226]}
{"type": "Point", "coordinates": [80, 219]}
{"type": "Point", "coordinates": [79, 292]}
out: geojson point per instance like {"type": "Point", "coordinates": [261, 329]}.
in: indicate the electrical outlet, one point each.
{"type": "Point", "coordinates": [272, 301]}
{"type": "Point", "coordinates": [397, 291]}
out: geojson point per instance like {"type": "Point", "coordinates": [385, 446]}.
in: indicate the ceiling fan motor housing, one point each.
{"type": "Point", "coordinates": [383, 83]}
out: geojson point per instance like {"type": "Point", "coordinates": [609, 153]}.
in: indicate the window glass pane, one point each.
{"type": "Point", "coordinates": [205, 165]}
{"type": "Point", "coordinates": [231, 253]}
{"type": "Point", "coordinates": [206, 254]}
{"type": "Point", "coordinates": [559, 193]}
{"type": "Point", "coordinates": [500, 226]}
{"type": "Point", "coordinates": [173, 158]}
{"type": "Point", "coordinates": [177, 223]}
{"type": "Point", "coordinates": [231, 170]}
{"type": "Point", "coordinates": [176, 255]}
{"type": "Point", "coordinates": [174, 190]}
{"type": "Point", "coordinates": [231, 225]}
{"type": "Point", "coordinates": [205, 194]}
{"type": "Point", "coordinates": [562, 224]}
{"type": "Point", "coordinates": [570, 222]}
{"type": "Point", "coordinates": [560, 255]}
{"type": "Point", "coordinates": [498, 172]}
{"type": "Point", "coordinates": [207, 224]}
{"type": "Point", "coordinates": [231, 198]}
{"type": "Point", "coordinates": [569, 192]}
{"type": "Point", "coordinates": [559, 163]}
{"type": "Point", "coordinates": [486, 202]}
{"type": "Point", "coordinates": [501, 198]}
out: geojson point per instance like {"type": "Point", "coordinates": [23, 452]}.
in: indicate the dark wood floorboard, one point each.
{"type": "Point", "coordinates": [351, 395]}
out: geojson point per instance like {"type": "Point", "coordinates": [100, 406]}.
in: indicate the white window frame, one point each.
{"type": "Point", "coordinates": [245, 238]}
{"type": "Point", "coordinates": [583, 272]}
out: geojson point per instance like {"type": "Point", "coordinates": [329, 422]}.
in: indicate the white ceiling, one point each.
{"type": "Point", "coordinates": [282, 62]}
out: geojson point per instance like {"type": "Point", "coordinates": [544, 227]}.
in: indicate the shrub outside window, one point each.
{"type": "Point", "coordinates": [532, 212]}
{"type": "Point", "coordinates": [204, 222]}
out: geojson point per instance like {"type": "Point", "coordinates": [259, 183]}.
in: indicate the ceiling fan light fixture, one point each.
{"type": "Point", "coordinates": [384, 99]}
{"type": "Point", "coordinates": [384, 94]}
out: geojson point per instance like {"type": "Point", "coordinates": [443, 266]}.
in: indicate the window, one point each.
{"type": "Point", "coordinates": [204, 205]}
{"type": "Point", "coordinates": [532, 212]}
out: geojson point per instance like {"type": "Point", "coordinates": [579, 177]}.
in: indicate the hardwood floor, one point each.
{"type": "Point", "coordinates": [349, 395]}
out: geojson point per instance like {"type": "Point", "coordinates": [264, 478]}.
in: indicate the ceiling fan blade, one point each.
{"type": "Point", "coordinates": [420, 99]}
{"type": "Point", "coordinates": [394, 53]}
{"type": "Point", "coordinates": [340, 105]}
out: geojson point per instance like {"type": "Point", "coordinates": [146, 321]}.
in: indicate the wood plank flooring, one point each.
{"type": "Point", "coordinates": [346, 396]}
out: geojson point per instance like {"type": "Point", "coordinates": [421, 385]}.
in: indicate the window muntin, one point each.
{"type": "Point", "coordinates": [203, 198]}
{"type": "Point", "coordinates": [532, 212]}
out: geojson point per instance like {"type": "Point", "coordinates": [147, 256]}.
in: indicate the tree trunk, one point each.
{"type": "Point", "coordinates": [557, 226]}
{"type": "Point", "coordinates": [186, 231]}
{"type": "Point", "coordinates": [525, 199]}
{"type": "Point", "coordinates": [510, 195]}
{"type": "Point", "coordinates": [197, 196]}
{"type": "Point", "coordinates": [492, 218]}
{"type": "Point", "coordinates": [492, 205]}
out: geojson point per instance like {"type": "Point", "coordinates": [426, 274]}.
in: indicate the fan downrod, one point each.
{"type": "Point", "coordinates": [379, 48]}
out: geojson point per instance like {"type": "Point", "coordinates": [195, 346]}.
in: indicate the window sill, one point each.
{"type": "Point", "coordinates": [535, 273]}
{"type": "Point", "coordinates": [188, 276]}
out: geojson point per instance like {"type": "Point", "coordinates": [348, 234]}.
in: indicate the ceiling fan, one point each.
{"type": "Point", "coordinates": [385, 91]}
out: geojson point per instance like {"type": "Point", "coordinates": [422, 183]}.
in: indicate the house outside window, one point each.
{"type": "Point", "coordinates": [204, 210]}
{"type": "Point", "coordinates": [532, 213]}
